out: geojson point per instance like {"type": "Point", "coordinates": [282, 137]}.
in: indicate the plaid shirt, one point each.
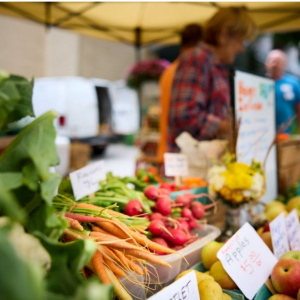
{"type": "Point", "coordinates": [200, 96]}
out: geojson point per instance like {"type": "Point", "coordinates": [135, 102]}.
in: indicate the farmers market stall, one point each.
{"type": "Point", "coordinates": [95, 235]}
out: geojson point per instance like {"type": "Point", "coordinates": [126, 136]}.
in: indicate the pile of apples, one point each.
{"type": "Point", "coordinates": [275, 208]}
{"type": "Point", "coordinates": [215, 267]}
{"type": "Point", "coordinates": [285, 277]}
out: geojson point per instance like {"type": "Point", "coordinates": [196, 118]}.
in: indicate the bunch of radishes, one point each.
{"type": "Point", "coordinates": [174, 232]}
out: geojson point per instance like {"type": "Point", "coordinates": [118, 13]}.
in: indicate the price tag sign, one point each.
{"type": "Point", "coordinates": [279, 236]}
{"type": "Point", "coordinates": [175, 164]}
{"type": "Point", "coordinates": [85, 181]}
{"type": "Point", "coordinates": [247, 260]}
{"type": "Point", "coordinates": [293, 229]}
{"type": "Point", "coordinates": [185, 288]}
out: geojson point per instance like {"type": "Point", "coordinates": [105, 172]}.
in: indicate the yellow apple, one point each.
{"type": "Point", "coordinates": [294, 203]}
{"type": "Point", "coordinates": [267, 238]}
{"type": "Point", "coordinates": [275, 211]}
{"type": "Point", "coordinates": [274, 204]}
{"type": "Point", "coordinates": [221, 276]}
{"type": "Point", "coordinates": [209, 253]}
{"type": "Point", "coordinates": [298, 295]}
{"type": "Point", "coordinates": [280, 297]}
{"type": "Point", "coordinates": [226, 297]}
{"type": "Point", "coordinates": [210, 290]}
{"type": "Point", "coordinates": [291, 254]}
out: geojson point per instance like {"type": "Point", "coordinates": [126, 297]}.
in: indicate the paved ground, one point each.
{"type": "Point", "coordinates": [119, 159]}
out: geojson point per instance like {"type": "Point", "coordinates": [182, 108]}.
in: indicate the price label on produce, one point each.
{"type": "Point", "coordinates": [247, 260]}
{"type": "Point", "coordinates": [293, 229]}
{"type": "Point", "coordinates": [85, 181]}
{"type": "Point", "coordinates": [185, 288]}
{"type": "Point", "coordinates": [175, 164]}
{"type": "Point", "coordinates": [279, 236]}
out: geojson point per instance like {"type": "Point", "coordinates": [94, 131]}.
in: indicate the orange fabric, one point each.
{"type": "Point", "coordinates": [165, 84]}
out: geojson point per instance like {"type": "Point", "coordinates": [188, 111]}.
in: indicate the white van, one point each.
{"type": "Point", "coordinates": [85, 104]}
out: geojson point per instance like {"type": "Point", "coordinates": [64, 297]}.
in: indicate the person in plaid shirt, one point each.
{"type": "Point", "coordinates": [200, 100]}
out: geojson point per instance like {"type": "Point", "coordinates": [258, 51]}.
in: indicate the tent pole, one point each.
{"type": "Point", "coordinates": [138, 42]}
{"type": "Point", "coordinates": [137, 45]}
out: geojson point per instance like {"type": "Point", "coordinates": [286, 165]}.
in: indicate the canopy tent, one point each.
{"type": "Point", "coordinates": [146, 23]}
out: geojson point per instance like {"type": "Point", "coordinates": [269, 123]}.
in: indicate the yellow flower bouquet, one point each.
{"type": "Point", "coordinates": [235, 182]}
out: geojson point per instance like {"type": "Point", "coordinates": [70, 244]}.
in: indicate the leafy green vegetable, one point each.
{"type": "Point", "coordinates": [15, 99]}
{"type": "Point", "coordinates": [34, 148]}
{"type": "Point", "coordinates": [20, 280]}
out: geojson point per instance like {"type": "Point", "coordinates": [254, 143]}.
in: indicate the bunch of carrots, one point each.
{"type": "Point", "coordinates": [122, 251]}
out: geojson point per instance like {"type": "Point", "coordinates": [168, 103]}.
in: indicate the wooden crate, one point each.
{"type": "Point", "coordinates": [288, 161]}
{"type": "Point", "coordinates": [80, 155]}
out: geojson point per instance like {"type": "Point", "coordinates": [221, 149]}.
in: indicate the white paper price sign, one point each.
{"type": "Point", "coordinates": [85, 181]}
{"type": "Point", "coordinates": [175, 164]}
{"type": "Point", "coordinates": [279, 236]}
{"type": "Point", "coordinates": [293, 230]}
{"type": "Point", "coordinates": [247, 260]}
{"type": "Point", "coordinates": [185, 288]}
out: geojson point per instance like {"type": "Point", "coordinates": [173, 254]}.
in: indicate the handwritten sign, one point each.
{"type": "Point", "coordinates": [247, 260]}
{"type": "Point", "coordinates": [279, 236]}
{"type": "Point", "coordinates": [185, 288]}
{"type": "Point", "coordinates": [85, 181]}
{"type": "Point", "coordinates": [254, 107]}
{"type": "Point", "coordinates": [293, 230]}
{"type": "Point", "coordinates": [175, 164]}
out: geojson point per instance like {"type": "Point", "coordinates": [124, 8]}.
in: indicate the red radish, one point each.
{"type": "Point", "coordinates": [164, 205]}
{"type": "Point", "coordinates": [133, 208]}
{"type": "Point", "coordinates": [187, 213]}
{"type": "Point", "coordinates": [146, 217]}
{"type": "Point", "coordinates": [164, 192]}
{"type": "Point", "coordinates": [156, 227]}
{"type": "Point", "coordinates": [161, 242]}
{"type": "Point", "coordinates": [178, 237]}
{"type": "Point", "coordinates": [193, 224]}
{"type": "Point", "coordinates": [151, 192]}
{"type": "Point", "coordinates": [198, 210]}
{"type": "Point", "coordinates": [177, 248]}
{"type": "Point", "coordinates": [183, 225]}
{"type": "Point", "coordinates": [184, 199]}
{"type": "Point", "coordinates": [156, 215]}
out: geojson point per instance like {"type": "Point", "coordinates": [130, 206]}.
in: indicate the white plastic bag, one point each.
{"type": "Point", "coordinates": [200, 153]}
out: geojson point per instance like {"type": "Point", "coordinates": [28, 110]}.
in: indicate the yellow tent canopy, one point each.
{"type": "Point", "coordinates": [145, 23]}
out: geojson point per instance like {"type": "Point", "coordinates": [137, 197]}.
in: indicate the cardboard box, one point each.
{"type": "Point", "coordinates": [288, 161]}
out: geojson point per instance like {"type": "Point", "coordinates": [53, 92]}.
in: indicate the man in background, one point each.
{"type": "Point", "coordinates": [287, 91]}
{"type": "Point", "coordinates": [190, 37]}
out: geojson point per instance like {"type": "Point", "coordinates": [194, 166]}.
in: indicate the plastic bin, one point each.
{"type": "Point", "coordinates": [194, 191]}
{"type": "Point", "coordinates": [192, 254]}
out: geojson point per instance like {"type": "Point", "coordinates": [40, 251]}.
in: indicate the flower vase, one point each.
{"type": "Point", "coordinates": [236, 217]}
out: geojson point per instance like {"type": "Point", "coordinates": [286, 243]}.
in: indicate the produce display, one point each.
{"type": "Point", "coordinates": [55, 247]}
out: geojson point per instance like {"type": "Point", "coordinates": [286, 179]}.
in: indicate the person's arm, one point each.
{"type": "Point", "coordinates": [218, 105]}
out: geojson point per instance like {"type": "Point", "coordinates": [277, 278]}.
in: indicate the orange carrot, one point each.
{"type": "Point", "coordinates": [114, 268]}
{"type": "Point", "coordinates": [121, 258]}
{"type": "Point", "coordinates": [147, 256]}
{"type": "Point", "coordinates": [110, 253]}
{"type": "Point", "coordinates": [74, 224]}
{"type": "Point", "coordinates": [99, 267]}
{"type": "Point", "coordinates": [146, 242]}
{"type": "Point", "coordinates": [115, 242]}
{"type": "Point", "coordinates": [98, 229]}
{"type": "Point", "coordinates": [133, 266]}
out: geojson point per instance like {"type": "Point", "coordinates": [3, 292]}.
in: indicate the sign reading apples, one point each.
{"type": "Point", "coordinates": [247, 260]}
{"type": "Point", "coordinates": [293, 229]}
{"type": "Point", "coordinates": [279, 236]}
